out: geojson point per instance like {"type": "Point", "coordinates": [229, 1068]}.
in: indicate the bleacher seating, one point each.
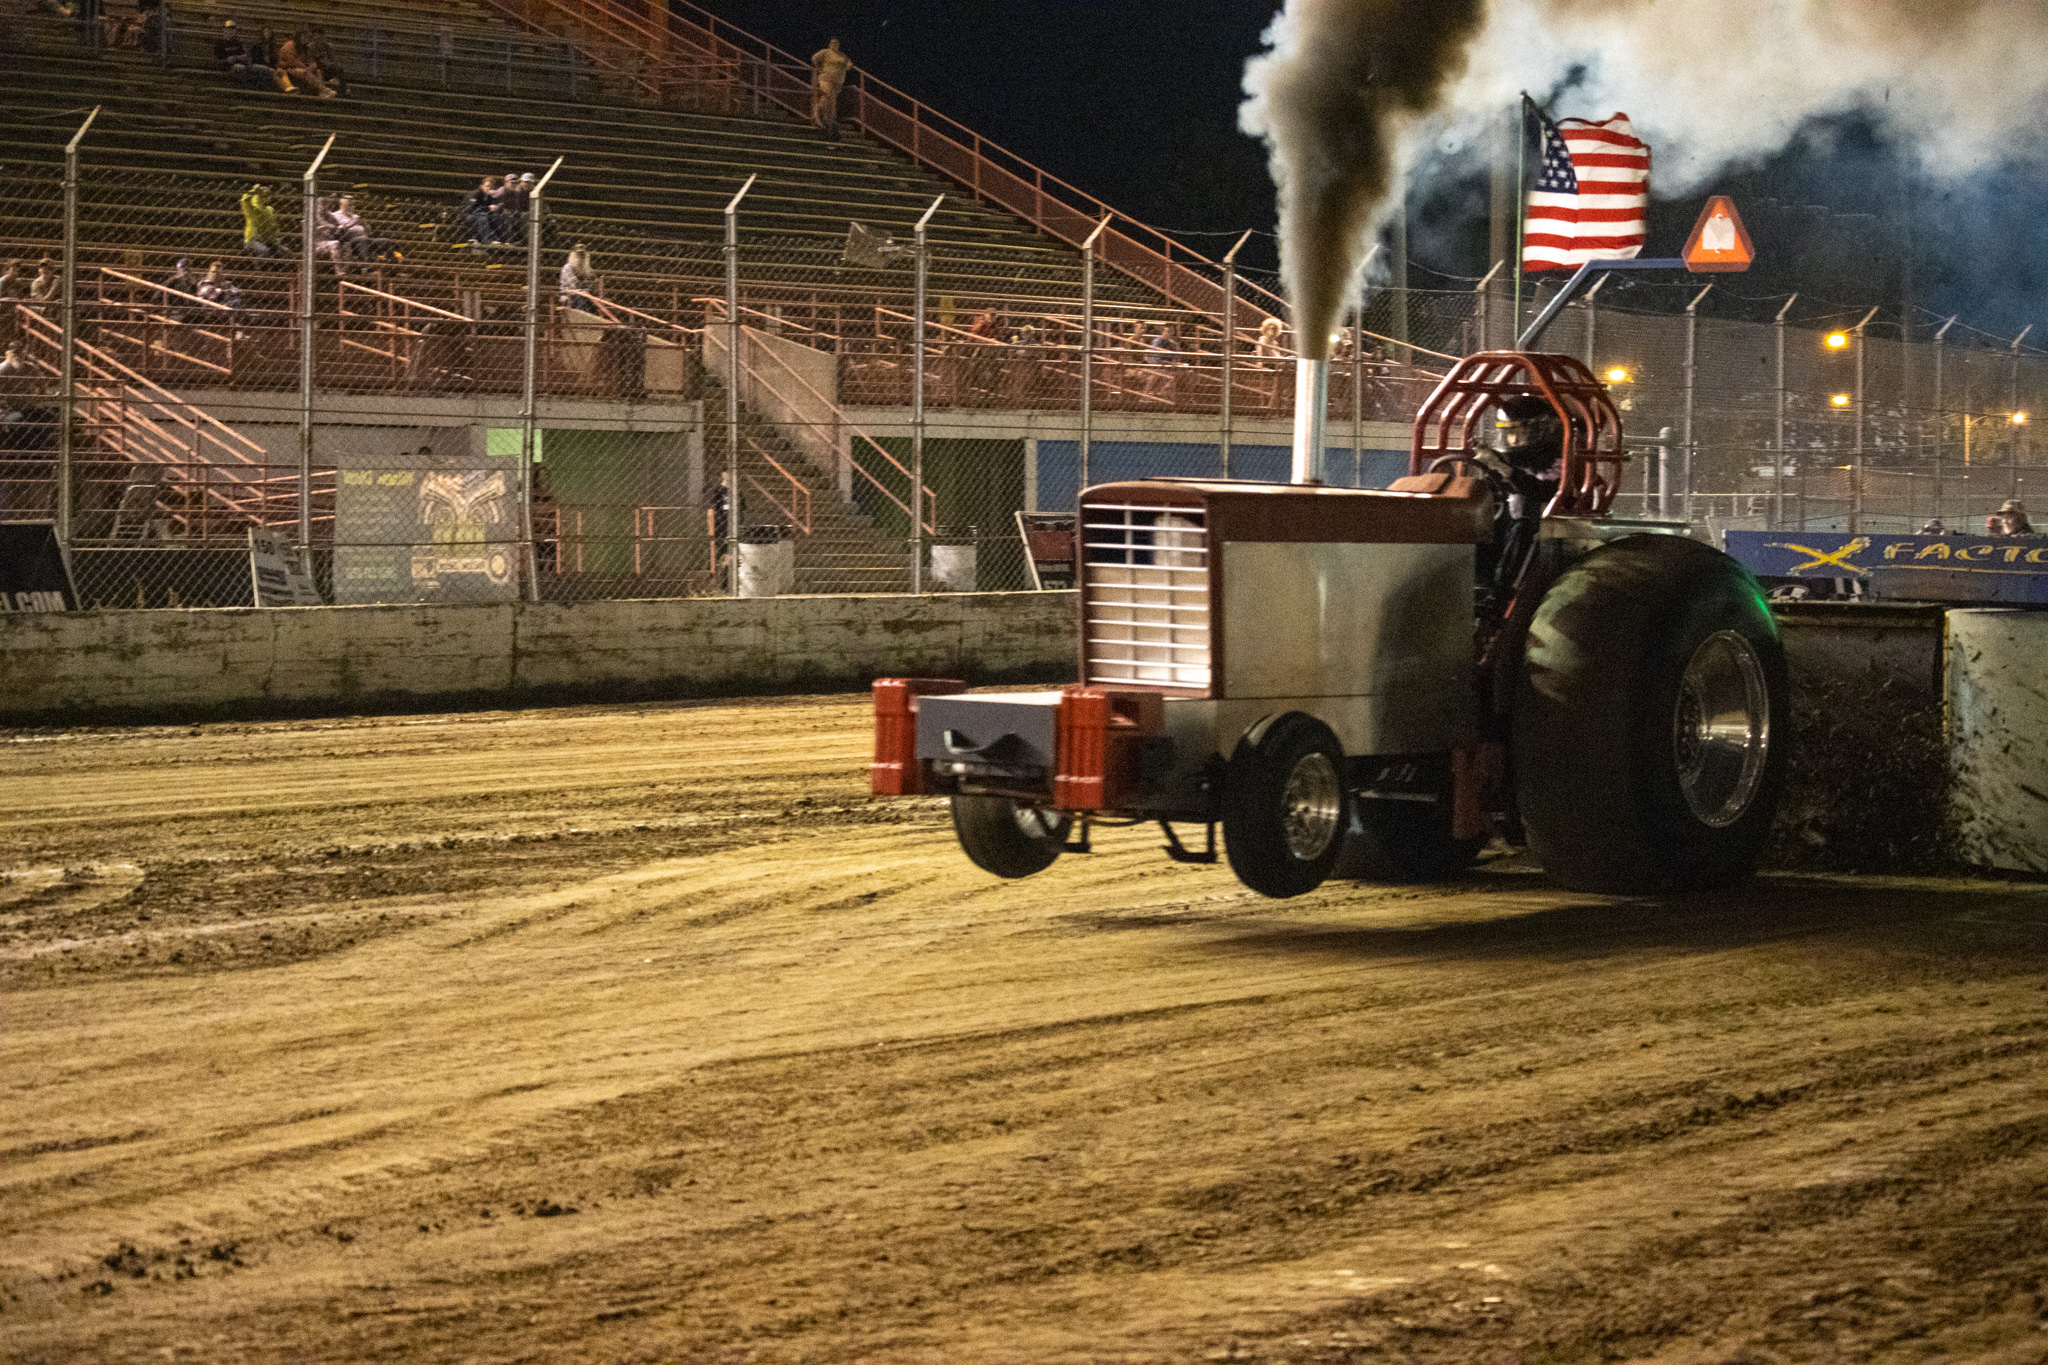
{"type": "Point", "coordinates": [645, 187]}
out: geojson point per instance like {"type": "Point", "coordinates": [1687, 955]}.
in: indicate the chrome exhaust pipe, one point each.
{"type": "Point", "coordinates": [1311, 405]}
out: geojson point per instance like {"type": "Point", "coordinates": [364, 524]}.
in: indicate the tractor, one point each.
{"type": "Point", "coordinates": [1372, 684]}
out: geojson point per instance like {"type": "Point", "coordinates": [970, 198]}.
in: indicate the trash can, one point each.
{"type": "Point", "coordinates": [767, 561]}
{"type": "Point", "coordinates": [953, 559]}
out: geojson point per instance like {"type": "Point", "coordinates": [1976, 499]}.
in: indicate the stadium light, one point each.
{"type": "Point", "coordinates": [1840, 400]}
{"type": "Point", "coordinates": [1837, 340]}
{"type": "Point", "coordinates": [2019, 419]}
{"type": "Point", "coordinates": [1618, 375]}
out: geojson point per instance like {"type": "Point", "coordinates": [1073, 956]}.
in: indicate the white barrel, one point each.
{"type": "Point", "coordinates": [953, 568]}
{"type": "Point", "coordinates": [767, 570]}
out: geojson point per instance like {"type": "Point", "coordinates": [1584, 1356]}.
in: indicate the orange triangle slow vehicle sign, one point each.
{"type": "Point", "coordinates": [1719, 241]}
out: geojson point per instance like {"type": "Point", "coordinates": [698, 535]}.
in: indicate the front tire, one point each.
{"type": "Point", "coordinates": [1651, 720]}
{"type": "Point", "coordinates": [1007, 838]}
{"type": "Point", "coordinates": [1285, 807]}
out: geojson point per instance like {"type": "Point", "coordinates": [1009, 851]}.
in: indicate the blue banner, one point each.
{"type": "Point", "coordinates": [1921, 568]}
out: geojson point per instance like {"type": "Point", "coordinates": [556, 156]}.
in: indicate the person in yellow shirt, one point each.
{"type": "Point", "coordinates": [828, 67]}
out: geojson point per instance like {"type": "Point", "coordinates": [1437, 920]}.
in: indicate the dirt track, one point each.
{"type": "Point", "coordinates": [639, 1033]}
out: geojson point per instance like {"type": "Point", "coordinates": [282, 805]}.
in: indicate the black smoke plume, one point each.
{"type": "Point", "coordinates": [1331, 96]}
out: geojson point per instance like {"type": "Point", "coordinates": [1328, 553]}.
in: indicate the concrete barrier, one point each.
{"type": "Point", "coordinates": [239, 662]}
{"type": "Point", "coordinates": [1998, 737]}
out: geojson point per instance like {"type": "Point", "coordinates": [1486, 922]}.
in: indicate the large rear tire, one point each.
{"type": "Point", "coordinates": [1285, 807]}
{"type": "Point", "coordinates": [1008, 838]}
{"type": "Point", "coordinates": [1651, 722]}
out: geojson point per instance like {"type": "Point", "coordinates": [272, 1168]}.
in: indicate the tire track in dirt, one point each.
{"type": "Point", "coordinates": [808, 1087]}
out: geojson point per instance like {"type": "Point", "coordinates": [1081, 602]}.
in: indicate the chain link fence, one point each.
{"type": "Point", "coordinates": [478, 395]}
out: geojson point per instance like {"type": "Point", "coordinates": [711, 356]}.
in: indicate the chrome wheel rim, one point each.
{"type": "Point", "coordinates": [1721, 728]}
{"type": "Point", "coordinates": [1311, 805]}
{"type": "Point", "coordinates": [1037, 822]}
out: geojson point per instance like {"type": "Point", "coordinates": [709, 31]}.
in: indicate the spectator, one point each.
{"type": "Point", "coordinates": [1934, 527]}
{"type": "Point", "coordinates": [2012, 519]}
{"type": "Point", "coordinates": [323, 55]}
{"type": "Point", "coordinates": [218, 288]}
{"type": "Point", "coordinates": [295, 63]}
{"type": "Point", "coordinates": [350, 230]}
{"type": "Point", "coordinates": [512, 199]}
{"type": "Point", "coordinates": [259, 223]}
{"type": "Point", "coordinates": [718, 523]}
{"type": "Point", "coordinates": [44, 287]}
{"type": "Point", "coordinates": [1269, 346]}
{"type": "Point", "coordinates": [1161, 354]}
{"type": "Point", "coordinates": [240, 65]}
{"type": "Point", "coordinates": [12, 286]}
{"type": "Point", "coordinates": [183, 281]}
{"type": "Point", "coordinates": [579, 281]}
{"type": "Point", "coordinates": [326, 235]}
{"type": "Point", "coordinates": [18, 383]}
{"type": "Point", "coordinates": [480, 212]}
{"type": "Point", "coordinates": [828, 67]}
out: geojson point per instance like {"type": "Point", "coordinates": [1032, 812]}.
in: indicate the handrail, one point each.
{"type": "Point", "coordinates": [400, 298]}
{"type": "Point", "coordinates": [107, 271]}
{"type": "Point", "coordinates": [1047, 202]}
{"type": "Point", "coordinates": [799, 497]}
{"type": "Point", "coordinates": [929, 138]}
{"type": "Point", "coordinates": [160, 396]}
{"type": "Point", "coordinates": [930, 500]}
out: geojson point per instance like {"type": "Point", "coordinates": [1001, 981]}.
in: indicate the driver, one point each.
{"type": "Point", "coordinates": [1532, 448]}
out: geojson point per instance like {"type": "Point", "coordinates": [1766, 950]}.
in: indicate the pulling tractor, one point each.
{"type": "Point", "coordinates": [1372, 684]}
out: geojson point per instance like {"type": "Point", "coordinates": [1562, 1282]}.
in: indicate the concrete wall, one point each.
{"type": "Point", "coordinates": [245, 662]}
{"type": "Point", "coordinates": [1998, 737]}
{"type": "Point", "coordinates": [792, 385]}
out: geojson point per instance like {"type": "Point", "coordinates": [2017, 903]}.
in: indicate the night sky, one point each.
{"type": "Point", "coordinates": [1135, 102]}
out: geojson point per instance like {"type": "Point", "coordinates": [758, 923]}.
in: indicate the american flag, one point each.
{"type": "Point", "coordinates": [1591, 194]}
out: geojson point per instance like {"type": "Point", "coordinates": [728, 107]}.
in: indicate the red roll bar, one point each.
{"type": "Point", "coordinates": [1448, 421]}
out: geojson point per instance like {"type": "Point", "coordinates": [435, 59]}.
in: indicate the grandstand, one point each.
{"type": "Point", "coordinates": [656, 132]}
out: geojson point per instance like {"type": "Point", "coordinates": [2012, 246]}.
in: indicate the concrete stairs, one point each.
{"type": "Point", "coordinates": [844, 552]}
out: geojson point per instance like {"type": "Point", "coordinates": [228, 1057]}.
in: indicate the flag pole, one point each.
{"type": "Point", "coordinates": [1521, 203]}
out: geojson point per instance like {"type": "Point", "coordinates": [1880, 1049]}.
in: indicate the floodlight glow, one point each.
{"type": "Point", "coordinates": [1840, 400]}
{"type": "Point", "coordinates": [1837, 340]}
{"type": "Point", "coordinates": [1617, 375]}
{"type": "Point", "coordinates": [2019, 419]}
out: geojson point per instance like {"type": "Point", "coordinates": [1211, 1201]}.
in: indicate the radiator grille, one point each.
{"type": "Point", "coordinates": [1147, 614]}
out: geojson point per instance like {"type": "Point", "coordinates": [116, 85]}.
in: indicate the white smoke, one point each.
{"type": "Point", "coordinates": [1713, 85]}
{"type": "Point", "coordinates": [1358, 96]}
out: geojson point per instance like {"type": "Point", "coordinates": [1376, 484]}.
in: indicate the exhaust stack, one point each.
{"type": "Point", "coordinates": [1311, 404]}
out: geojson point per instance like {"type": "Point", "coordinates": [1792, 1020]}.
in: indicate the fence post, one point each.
{"type": "Point", "coordinates": [2014, 420]}
{"type": "Point", "coordinates": [1481, 308]}
{"type": "Point", "coordinates": [1856, 465]}
{"type": "Point", "coordinates": [67, 345]}
{"type": "Point", "coordinates": [1399, 280]}
{"type": "Point", "coordinates": [1088, 347]}
{"type": "Point", "coordinates": [529, 385]}
{"type": "Point", "coordinates": [1358, 391]}
{"type": "Point", "coordinates": [1229, 345]}
{"type": "Point", "coordinates": [310, 206]}
{"type": "Point", "coordinates": [916, 499]}
{"type": "Point", "coordinates": [733, 339]}
{"type": "Point", "coordinates": [1940, 409]}
{"type": "Point", "coordinates": [1692, 328]}
{"type": "Point", "coordinates": [1778, 463]}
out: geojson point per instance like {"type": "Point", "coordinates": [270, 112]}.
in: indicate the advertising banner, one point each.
{"type": "Point", "coordinates": [33, 573]}
{"type": "Point", "coordinates": [1921, 568]}
{"type": "Point", "coordinates": [436, 524]}
{"type": "Point", "coordinates": [277, 576]}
